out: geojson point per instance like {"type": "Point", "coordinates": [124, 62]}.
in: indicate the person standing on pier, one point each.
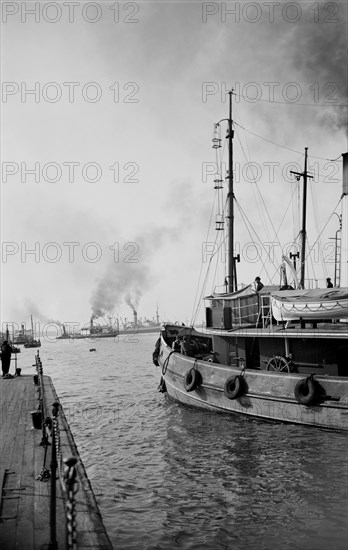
{"type": "Point", "coordinates": [6, 352]}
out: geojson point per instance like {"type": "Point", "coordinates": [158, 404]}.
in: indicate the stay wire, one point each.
{"type": "Point", "coordinates": [323, 229]}
{"type": "Point", "coordinates": [201, 268]}
{"type": "Point", "coordinates": [295, 103]}
{"type": "Point", "coordinates": [245, 218]}
{"type": "Point", "coordinates": [283, 146]}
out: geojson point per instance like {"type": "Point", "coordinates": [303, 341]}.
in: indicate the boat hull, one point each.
{"type": "Point", "coordinates": [266, 395]}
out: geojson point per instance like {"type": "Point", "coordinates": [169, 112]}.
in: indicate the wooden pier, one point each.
{"type": "Point", "coordinates": [25, 513]}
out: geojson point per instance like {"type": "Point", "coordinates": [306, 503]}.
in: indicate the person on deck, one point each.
{"type": "Point", "coordinates": [176, 346]}
{"type": "Point", "coordinates": [6, 352]}
{"type": "Point", "coordinates": [258, 284]}
{"type": "Point", "coordinates": [329, 283]}
{"type": "Point", "coordinates": [186, 346]}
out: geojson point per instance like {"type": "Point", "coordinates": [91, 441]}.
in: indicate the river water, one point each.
{"type": "Point", "coordinates": [168, 477]}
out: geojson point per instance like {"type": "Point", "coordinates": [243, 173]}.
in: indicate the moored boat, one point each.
{"type": "Point", "coordinates": [277, 352]}
{"type": "Point", "coordinates": [32, 342]}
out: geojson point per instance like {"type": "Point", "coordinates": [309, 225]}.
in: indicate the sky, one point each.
{"type": "Point", "coordinates": [106, 154]}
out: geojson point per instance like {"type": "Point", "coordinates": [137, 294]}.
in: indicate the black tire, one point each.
{"type": "Point", "coordinates": [234, 387]}
{"type": "Point", "coordinates": [192, 379]}
{"type": "Point", "coordinates": [306, 391]}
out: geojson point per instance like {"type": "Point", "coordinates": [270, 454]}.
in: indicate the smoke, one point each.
{"type": "Point", "coordinates": [320, 57]}
{"type": "Point", "coordinates": [127, 280]}
{"type": "Point", "coordinates": [121, 282]}
{"type": "Point", "coordinates": [30, 308]}
{"type": "Point", "coordinates": [133, 302]}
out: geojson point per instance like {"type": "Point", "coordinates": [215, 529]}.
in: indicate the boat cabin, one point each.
{"type": "Point", "coordinates": [242, 308]}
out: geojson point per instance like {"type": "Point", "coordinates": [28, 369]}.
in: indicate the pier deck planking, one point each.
{"type": "Point", "coordinates": [24, 500]}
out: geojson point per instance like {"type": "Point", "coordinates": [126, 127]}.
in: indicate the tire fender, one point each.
{"type": "Point", "coordinates": [192, 379]}
{"type": "Point", "coordinates": [306, 391]}
{"type": "Point", "coordinates": [234, 386]}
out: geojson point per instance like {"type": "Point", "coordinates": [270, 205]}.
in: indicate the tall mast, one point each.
{"type": "Point", "coordinates": [231, 267]}
{"type": "Point", "coordinates": [305, 176]}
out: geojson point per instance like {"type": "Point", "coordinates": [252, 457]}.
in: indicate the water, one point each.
{"type": "Point", "coordinates": [166, 476]}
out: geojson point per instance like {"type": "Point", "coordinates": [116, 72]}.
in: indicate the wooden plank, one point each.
{"type": "Point", "coordinates": [25, 501]}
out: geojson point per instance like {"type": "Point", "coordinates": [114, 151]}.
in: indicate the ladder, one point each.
{"type": "Point", "coordinates": [265, 312]}
{"type": "Point", "coordinates": [338, 246]}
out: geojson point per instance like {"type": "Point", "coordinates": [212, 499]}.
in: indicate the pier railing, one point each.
{"type": "Point", "coordinates": [66, 467]}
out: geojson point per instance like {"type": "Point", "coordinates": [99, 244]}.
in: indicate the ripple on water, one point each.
{"type": "Point", "coordinates": [168, 477]}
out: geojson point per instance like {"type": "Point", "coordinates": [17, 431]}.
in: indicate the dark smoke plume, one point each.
{"type": "Point", "coordinates": [127, 281]}
{"type": "Point", "coordinates": [321, 58]}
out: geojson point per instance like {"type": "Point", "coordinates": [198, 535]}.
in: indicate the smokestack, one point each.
{"type": "Point", "coordinates": [91, 323]}
{"type": "Point", "coordinates": [22, 329]}
{"type": "Point", "coordinates": [64, 331]}
{"type": "Point", "coordinates": [345, 174]}
{"type": "Point", "coordinates": [135, 317]}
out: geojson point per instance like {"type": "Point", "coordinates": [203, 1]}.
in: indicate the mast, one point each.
{"type": "Point", "coordinates": [305, 176]}
{"type": "Point", "coordinates": [231, 265]}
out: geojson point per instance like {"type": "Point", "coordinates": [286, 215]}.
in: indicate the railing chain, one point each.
{"type": "Point", "coordinates": [71, 486]}
{"type": "Point", "coordinates": [69, 483]}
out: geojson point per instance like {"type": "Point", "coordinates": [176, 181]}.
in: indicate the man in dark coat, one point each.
{"type": "Point", "coordinates": [258, 284]}
{"type": "Point", "coordinates": [6, 352]}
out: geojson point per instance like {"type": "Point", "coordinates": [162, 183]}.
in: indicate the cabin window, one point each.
{"type": "Point", "coordinates": [208, 317]}
{"type": "Point", "coordinates": [227, 312]}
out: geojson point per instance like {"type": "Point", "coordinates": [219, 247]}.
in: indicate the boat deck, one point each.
{"type": "Point", "coordinates": [323, 330]}
{"type": "Point", "coordinates": [24, 500]}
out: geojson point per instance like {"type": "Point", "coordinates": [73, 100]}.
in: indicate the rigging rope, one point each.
{"type": "Point", "coordinates": [327, 221]}
{"type": "Point", "coordinates": [317, 230]}
{"type": "Point", "coordinates": [201, 269]}
{"type": "Point", "coordinates": [251, 237]}
{"type": "Point", "coordinates": [205, 282]}
{"type": "Point", "coordinates": [284, 146]}
{"type": "Point", "coordinates": [288, 102]}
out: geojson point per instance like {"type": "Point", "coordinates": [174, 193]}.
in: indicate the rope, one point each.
{"type": "Point", "coordinates": [323, 229]}
{"type": "Point", "coordinates": [244, 216]}
{"type": "Point", "coordinates": [290, 102]}
{"type": "Point", "coordinates": [201, 269]}
{"type": "Point", "coordinates": [320, 307]}
{"type": "Point", "coordinates": [166, 361]}
{"type": "Point", "coordinates": [283, 146]}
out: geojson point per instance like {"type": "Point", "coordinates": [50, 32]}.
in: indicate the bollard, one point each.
{"type": "Point", "coordinates": [36, 418]}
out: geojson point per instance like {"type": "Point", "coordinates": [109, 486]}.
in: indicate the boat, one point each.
{"type": "Point", "coordinates": [91, 331]}
{"type": "Point", "coordinates": [274, 352]}
{"type": "Point", "coordinates": [113, 329]}
{"type": "Point", "coordinates": [21, 336]}
{"type": "Point", "coordinates": [32, 342]}
{"type": "Point", "coordinates": [310, 304]}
